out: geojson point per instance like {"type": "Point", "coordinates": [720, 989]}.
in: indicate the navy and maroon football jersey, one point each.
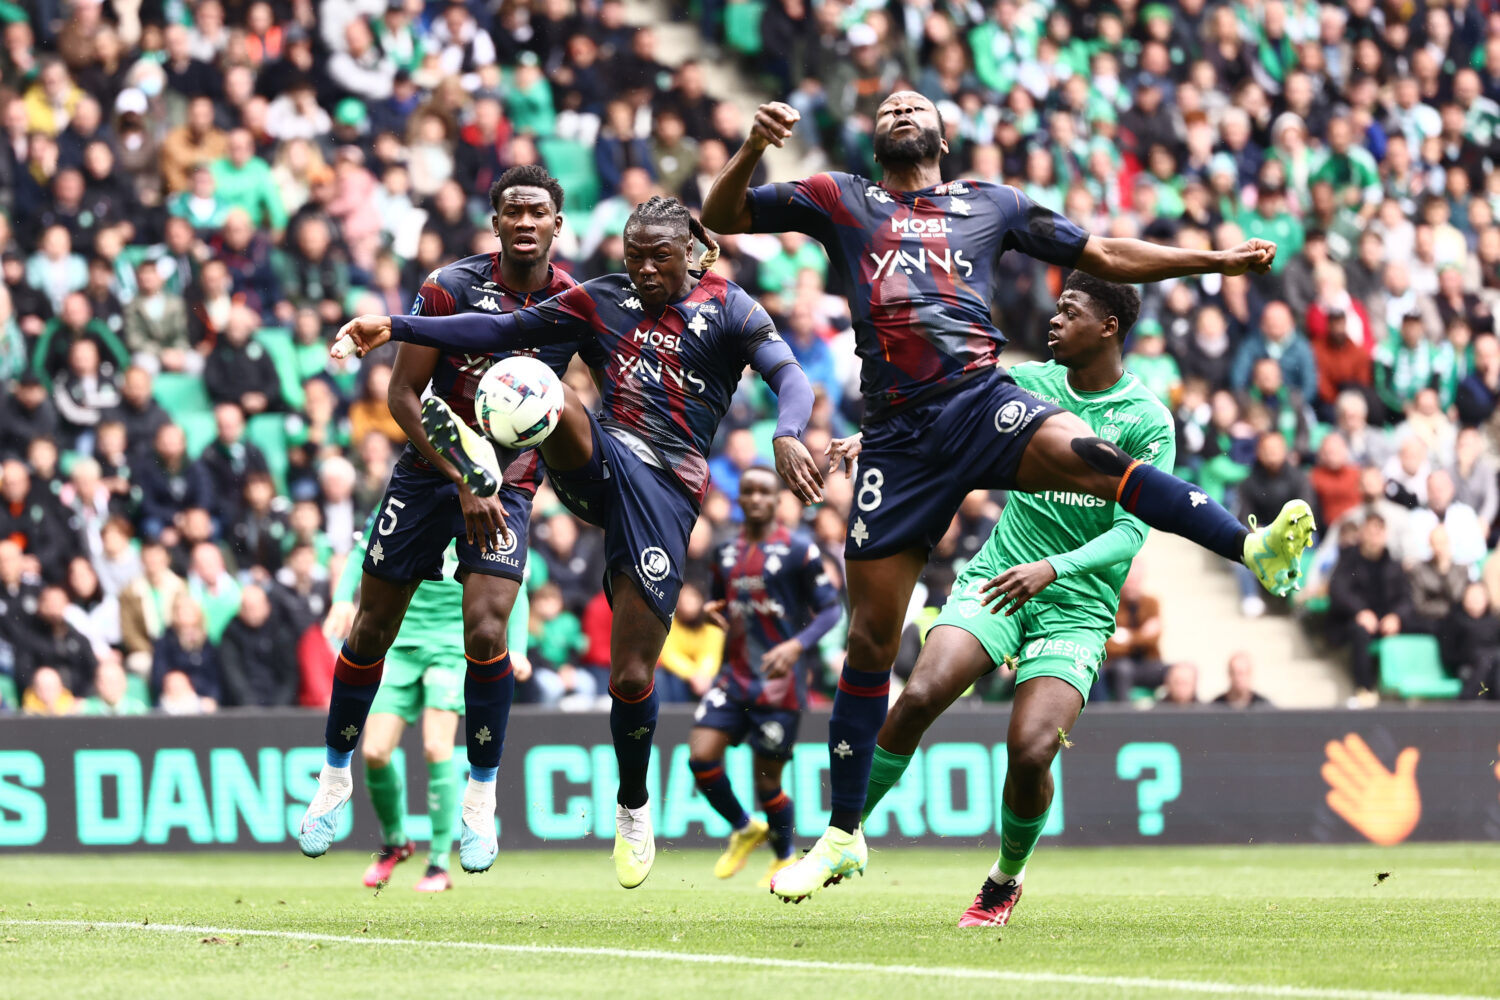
{"type": "Point", "coordinates": [917, 268]}
{"type": "Point", "coordinates": [772, 589]}
{"type": "Point", "coordinates": [667, 379]}
{"type": "Point", "coordinates": [474, 285]}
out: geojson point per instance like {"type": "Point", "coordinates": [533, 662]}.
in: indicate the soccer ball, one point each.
{"type": "Point", "coordinates": [518, 402]}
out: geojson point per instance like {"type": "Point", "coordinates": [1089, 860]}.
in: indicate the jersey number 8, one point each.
{"type": "Point", "coordinates": [869, 496]}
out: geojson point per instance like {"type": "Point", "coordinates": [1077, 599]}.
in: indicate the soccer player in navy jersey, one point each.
{"type": "Point", "coordinates": [426, 506]}
{"type": "Point", "coordinates": [776, 599]}
{"type": "Point", "coordinates": [916, 257]}
{"type": "Point", "coordinates": [671, 343]}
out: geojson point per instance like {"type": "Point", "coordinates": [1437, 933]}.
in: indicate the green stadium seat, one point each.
{"type": "Point", "coordinates": [136, 687]}
{"type": "Point", "coordinates": [180, 394]}
{"type": "Point", "coordinates": [742, 26]}
{"type": "Point", "coordinates": [278, 343]}
{"type": "Point", "coordinates": [8, 694]}
{"type": "Point", "coordinates": [1412, 667]}
{"type": "Point", "coordinates": [572, 163]}
{"type": "Point", "coordinates": [199, 429]}
{"type": "Point", "coordinates": [267, 432]}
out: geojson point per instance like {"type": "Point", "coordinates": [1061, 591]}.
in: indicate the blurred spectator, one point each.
{"type": "Point", "coordinates": [47, 694]}
{"type": "Point", "coordinates": [1471, 644]}
{"type": "Point", "coordinates": [1476, 479]}
{"type": "Point", "coordinates": [82, 393]}
{"type": "Point", "coordinates": [302, 587]}
{"type": "Point", "coordinates": [1180, 686]}
{"type": "Point", "coordinates": [239, 370]}
{"type": "Point", "coordinates": [1369, 598]}
{"type": "Point", "coordinates": [340, 518]}
{"type": "Point", "coordinates": [229, 461]}
{"type": "Point", "coordinates": [1278, 340]}
{"type": "Point", "coordinates": [20, 593]}
{"type": "Point", "coordinates": [53, 643]}
{"type": "Point", "coordinates": [1437, 585]}
{"type": "Point", "coordinates": [312, 272]}
{"type": "Point", "coordinates": [196, 143]}
{"type": "Point", "coordinates": [574, 558]}
{"type": "Point", "coordinates": [253, 658]}
{"type": "Point", "coordinates": [1464, 533]}
{"type": "Point", "coordinates": [184, 651]}
{"type": "Point", "coordinates": [1334, 479]}
{"type": "Point", "coordinates": [1342, 365]}
{"type": "Point", "coordinates": [1133, 653]}
{"type": "Point", "coordinates": [26, 413]}
{"type": "Point", "coordinates": [156, 325]}
{"type": "Point", "coordinates": [1479, 393]}
{"type": "Point", "coordinates": [139, 414]}
{"type": "Point", "coordinates": [213, 590]}
{"type": "Point", "coordinates": [243, 180]}
{"type": "Point", "coordinates": [116, 562]}
{"type": "Point", "coordinates": [691, 656]}
{"type": "Point", "coordinates": [1406, 474]}
{"type": "Point", "coordinates": [31, 516]}
{"type": "Point", "coordinates": [169, 482]}
{"type": "Point", "coordinates": [1241, 692]}
{"type": "Point", "coordinates": [362, 68]}
{"type": "Point", "coordinates": [619, 148]}
{"type": "Point", "coordinates": [75, 322]}
{"type": "Point", "coordinates": [112, 692]}
{"type": "Point", "coordinates": [555, 639]}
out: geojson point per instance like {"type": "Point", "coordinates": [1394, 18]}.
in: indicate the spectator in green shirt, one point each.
{"type": "Point", "coordinates": [778, 274]}
{"type": "Point", "coordinates": [112, 692]}
{"type": "Point", "coordinates": [1349, 168]}
{"type": "Point", "coordinates": [1271, 221]}
{"type": "Point", "coordinates": [1149, 361]}
{"type": "Point", "coordinates": [243, 180]}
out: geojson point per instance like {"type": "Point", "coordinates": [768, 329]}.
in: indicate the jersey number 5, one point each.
{"type": "Point", "coordinates": [393, 507]}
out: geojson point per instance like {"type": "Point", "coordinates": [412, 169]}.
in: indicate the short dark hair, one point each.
{"type": "Point", "coordinates": [763, 467]}
{"type": "Point", "coordinates": [1122, 302]}
{"type": "Point", "coordinates": [527, 175]}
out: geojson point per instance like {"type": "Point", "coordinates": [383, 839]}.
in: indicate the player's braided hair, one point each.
{"type": "Point", "coordinates": [671, 212]}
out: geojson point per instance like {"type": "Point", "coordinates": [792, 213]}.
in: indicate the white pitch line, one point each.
{"type": "Point", "coordinates": [862, 968]}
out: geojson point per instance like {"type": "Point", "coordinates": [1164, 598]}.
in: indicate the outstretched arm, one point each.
{"type": "Point", "coordinates": [1136, 261]}
{"type": "Point", "coordinates": [726, 209]}
{"type": "Point", "coordinates": [554, 321]}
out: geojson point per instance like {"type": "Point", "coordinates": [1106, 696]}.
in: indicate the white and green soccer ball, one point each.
{"type": "Point", "coordinates": [518, 402]}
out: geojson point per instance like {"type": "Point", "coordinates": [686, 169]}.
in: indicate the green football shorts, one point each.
{"type": "Point", "coordinates": [418, 677]}
{"type": "Point", "coordinates": [1041, 640]}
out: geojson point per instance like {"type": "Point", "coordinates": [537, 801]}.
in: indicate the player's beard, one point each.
{"type": "Point", "coordinates": [909, 150]}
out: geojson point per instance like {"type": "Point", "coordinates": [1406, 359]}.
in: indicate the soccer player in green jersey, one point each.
{"type": "Point", "coordinates": [1042, 593]}
{"type": "Point", "coordinates": [423, 679]}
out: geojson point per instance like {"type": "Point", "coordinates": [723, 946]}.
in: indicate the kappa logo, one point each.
{"type": "Point", "coordinates": [631, 303]}
{"type": "Point", "coordinates": [433, 277]}
{"type": "Point", "coordinates": [773, 733]}
{"type": "Point", "coordinates": [655, 564]}
{"type": "Point", "coordinates": [488, 304]}
{"type": "Point", "coordinates": [958, 206]}
{"type": "Point", "coordinates": [878, 194]}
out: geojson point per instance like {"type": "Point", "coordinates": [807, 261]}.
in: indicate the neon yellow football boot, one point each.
{"type": "Point", "coordinates": [742, 844]}
{"type": "Point", "coordinates": [835, 855]}
{"type": "Point", "coordinates": [1274, 553]}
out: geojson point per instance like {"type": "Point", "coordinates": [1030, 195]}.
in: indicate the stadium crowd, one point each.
{"type": "Point", "coordinates": [194, 195]}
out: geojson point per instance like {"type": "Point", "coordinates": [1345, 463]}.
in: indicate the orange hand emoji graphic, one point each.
{"type": "Point", "coordinates": [1383, 805]}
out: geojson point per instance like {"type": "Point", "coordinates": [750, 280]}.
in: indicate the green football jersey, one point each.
{"type": "Point", "coordinates": [1051, 524]}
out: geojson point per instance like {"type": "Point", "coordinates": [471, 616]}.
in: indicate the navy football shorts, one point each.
{"type": "Point", "coordinates": [420, 514]}
{"type": "Point", "coordinates": [645, 517]}
{"type": "Point", "coordinates": [772, 732]}
{"type": "Point", "coordinates": [919, 464]}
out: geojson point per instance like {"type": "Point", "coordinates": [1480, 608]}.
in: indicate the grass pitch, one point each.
{"type": "Point", "coordinates": [1311, 922]}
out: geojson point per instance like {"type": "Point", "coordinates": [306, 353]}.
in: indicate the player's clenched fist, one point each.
{"type": "Point", "coordinates": [773, 123]}
{"type": "Point", "coordinates": [1251, 255]}
{"type": "Point", "coordinates": [361, 335]}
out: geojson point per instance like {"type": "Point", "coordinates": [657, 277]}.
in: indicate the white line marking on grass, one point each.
{"type": "Point", "coordinates": [860, 968]}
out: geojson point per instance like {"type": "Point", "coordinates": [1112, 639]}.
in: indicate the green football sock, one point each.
{"type": "Point", "coordinates": [442, 807]}
{"type": "Point", "coordinates": [885, 770]}
{"type": "Point", "coordinates": [387, 795]}
{"type": "Point", "coordinates": [1018, 838]}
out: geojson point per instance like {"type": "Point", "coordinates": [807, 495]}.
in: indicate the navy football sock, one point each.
{"type": "Point", "coordinates": [489, 688]}
{"type": "Point", "coordinates": [777, 806]}
{"type": "Point", "coordinates": [859, 708]}
{"type": "Point", "coordinates": [354, 687]}
{"type": "Point", "coordinates": [1171, 504]}
{"type": "Point", "coordinates": [632, 724]}
{"type": "Point", "coordinates": [714, 784]}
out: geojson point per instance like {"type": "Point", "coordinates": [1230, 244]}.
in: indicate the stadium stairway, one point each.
{"type": "Point", "coordinates": [1202, 623]}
